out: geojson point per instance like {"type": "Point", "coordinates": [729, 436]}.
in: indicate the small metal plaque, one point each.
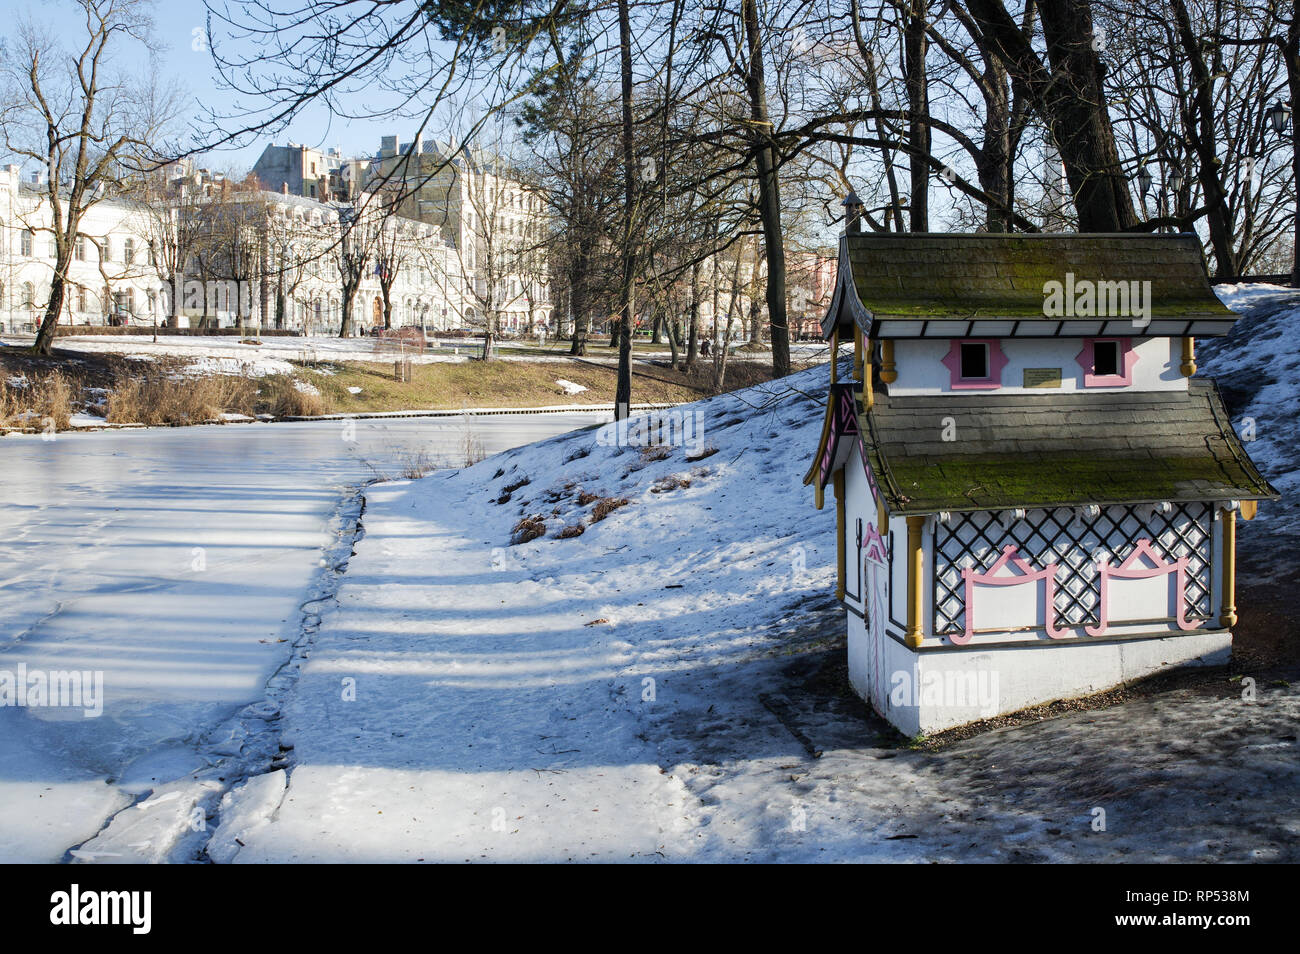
{"type": "Point", "coordinates": [1042, 377]}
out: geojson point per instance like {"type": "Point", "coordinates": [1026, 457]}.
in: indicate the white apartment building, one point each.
{"type": "Point", "coordinates": [112, 279]}
{"type": "Point", "coordinates": [493, 222]}
{"type": "Point", "coordinates": [266, 258]}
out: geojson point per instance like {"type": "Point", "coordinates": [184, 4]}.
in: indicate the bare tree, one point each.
{"type": "Point", "coordinates": [82, 118]}
{"type": "Point", "coordinates": [352, 252]}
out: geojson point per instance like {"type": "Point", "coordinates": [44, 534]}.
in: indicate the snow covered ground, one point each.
{"type": "Point", "coordinates": [669, 685]}
{"type": "Point", "coordinates": [225, 355]}
{"type": "Point", "coordinates": [666, 685]}
{"type": "Point", "coordinates": [177, 562]}
{"type": "Point", "coordinates": [1257, 368]}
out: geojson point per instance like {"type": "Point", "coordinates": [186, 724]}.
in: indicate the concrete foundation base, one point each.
{"type": "Point", "coordinates": [932, 690]}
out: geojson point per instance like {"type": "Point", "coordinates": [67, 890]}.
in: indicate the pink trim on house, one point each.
{"type": "Point", "coordinates": [1027, 574]}
{"type": "Point", "coordinates": [1087, 359]}
{"type": "Point", "coordinates": [874, 548]}
{"type": "Point", "coordinates": [1128, 571]}
{"type": "Point", "coordinates": [997, 361]}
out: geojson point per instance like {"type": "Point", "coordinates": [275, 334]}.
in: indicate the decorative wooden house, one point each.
{"type": "Point", "coordinates": [1035, 496]}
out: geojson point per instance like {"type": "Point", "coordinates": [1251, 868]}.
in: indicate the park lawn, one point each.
{"type": "Point", "coordinates": [475, 384]}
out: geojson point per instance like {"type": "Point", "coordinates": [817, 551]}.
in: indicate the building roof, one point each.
{"type": "Point", "coordinates": [927, 284]}
{"type": "Point", "coordinates": [1023, 451]}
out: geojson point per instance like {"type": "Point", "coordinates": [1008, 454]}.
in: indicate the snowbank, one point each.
{"type": "Point", "coordinates": [666, 684]}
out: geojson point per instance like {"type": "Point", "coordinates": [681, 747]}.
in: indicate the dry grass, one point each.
{"type": "Point", "coordinates": [573, 530]}
{"type": "Point", "coordinates": [177, 401]}
{"type": "Point", "coordinates": [585, 498]}
{"type": "Point", "coordinates": [708, 451]}
{"type": "Point", "coordinates": [665, 484]}
{"type": "Point", "coordinates": [529, 528]}
{"type": "Point", "coordinates": [606, 506]}
{"type": "Point", "coordinates": [44, 398]}
{"type": "Point", "coordinates": [471, 448]}
{"type": "Point", "coordinates": [416, 465]}
{"type": "Point", "coordinates": [278, 394]}
{"type": "Point", "coordinates": [449, 386]}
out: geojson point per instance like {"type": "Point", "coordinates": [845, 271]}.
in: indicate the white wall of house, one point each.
{"type": "Point", "coordinates": [1010, 662]}
{"type": "Point", "coordinates": [921, 369]}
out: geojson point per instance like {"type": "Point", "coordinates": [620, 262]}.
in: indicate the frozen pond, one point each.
{"type": "Point", "coordinates": [174, 561]}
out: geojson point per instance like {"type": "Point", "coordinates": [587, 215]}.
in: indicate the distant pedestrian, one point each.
{"type": "Point", "coordinates": [705, 345]}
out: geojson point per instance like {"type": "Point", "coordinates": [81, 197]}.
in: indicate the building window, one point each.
{"type": "Point", "coordinates": [974, 361]}
{"type": "Point", "coordinates": [128, 251]}
{"type": "Point", "coordinates": [81, 248]}
{"type": "Point", "coordinates": [1107, 362]}
{"type": "Point", "coordinates": [975, 364]}
{"type": "Point", "coordinates": [29, 295]}
{"type": "Point", "coordinates": [1105, 358]}
{"type": "Point", "coordinates": [26, 242]}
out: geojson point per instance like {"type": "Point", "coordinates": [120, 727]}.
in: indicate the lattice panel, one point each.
{"type": "Point", "coordinates": [1065, 536]}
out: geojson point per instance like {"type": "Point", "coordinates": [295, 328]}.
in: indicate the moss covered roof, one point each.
{"type": "Point", "coordinates": [987, 452]}
{"type": "Point", "coordinates": [942, 276]}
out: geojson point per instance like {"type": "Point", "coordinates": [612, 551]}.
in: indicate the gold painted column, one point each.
{"type": "Point", "coordinates": [840, 527]}
{"type": "Point", "coordinates": [888, 370]}
{"type": "Point", "coordinates": [1228, 588]}
{"type": "Point", "coordinates": [1188, 367]}
{"type": "Point", "coordinates": [835, 354]}
{"type": "Point", "coordinates": [915, 567]}
{"type": "Point", "coordinates": [857, 352]}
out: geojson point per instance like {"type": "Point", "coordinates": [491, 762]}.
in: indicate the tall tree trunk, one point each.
{"type": "Point", "coordinates": [49, 329]}
{"type": "Point", "coordinates": [993, 164]}
{"type": "Point", "coordinates": [693, 331]}
{"type": "Point", "coordinates": [1291, 53]}
{"type": "Point", "coordinates": [1201, 132]}
{"type": "Point", "coordinates": [578, 301]}
{"type": "Point", "coordinates": [769, 193]}
{"type": "Point", "coordinates": [1071, 100]}
{"type": "Point", "coordinates": [623, 394]}
{"type": "Point", "coordinates": [345, 329]}
{"type": "Point", "coordinates": [918, 127]}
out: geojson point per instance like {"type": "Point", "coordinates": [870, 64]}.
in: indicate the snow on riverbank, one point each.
{"type": "Point", "coordinates": [1257, 367]}
{"type": "Point", "coordinates": [177, 562]}
{"type": "Point", "coordinates": [668, 685]}
{"type": "Point", "coordinates": [498, 689]}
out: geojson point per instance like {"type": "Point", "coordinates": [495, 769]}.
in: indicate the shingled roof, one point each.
{"type": "Point", "coordinates": [1013, 451]}
{"type": "Point", "coordinates": [911, 284]}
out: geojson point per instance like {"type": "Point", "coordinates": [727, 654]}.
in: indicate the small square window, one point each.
{"type": "Point", "coordinates": [975, 361]}
{"type": "Point", "coordinates": [1105, 358]}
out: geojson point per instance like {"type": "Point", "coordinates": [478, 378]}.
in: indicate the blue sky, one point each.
{"type": "Point", "coordinates": [179, 27]}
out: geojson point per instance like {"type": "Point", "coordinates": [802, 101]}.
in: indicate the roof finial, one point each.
{"type": "Point", "coordinates": [853, 211]}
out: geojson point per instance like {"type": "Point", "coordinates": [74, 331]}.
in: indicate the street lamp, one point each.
{"type": "Point", "coordinates": [1144, 181]}
{"type": "Point", "coordinates": [1176, 180]}
{"type": "Point", "coordinates": [1277, 116]}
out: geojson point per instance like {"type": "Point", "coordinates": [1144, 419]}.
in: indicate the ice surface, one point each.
{"type": "Point", "coordinates": [174, 560]}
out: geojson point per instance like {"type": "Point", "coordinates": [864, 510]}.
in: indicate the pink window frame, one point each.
{"type": "Point", "coordinates": [997, 361]}
{"type": "Point", "coordinates": [1087, 359]}
{"type": "Point", "coordinates": [1024, 573]}
{"type": "Point", "coordinates": [1132, 569]}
